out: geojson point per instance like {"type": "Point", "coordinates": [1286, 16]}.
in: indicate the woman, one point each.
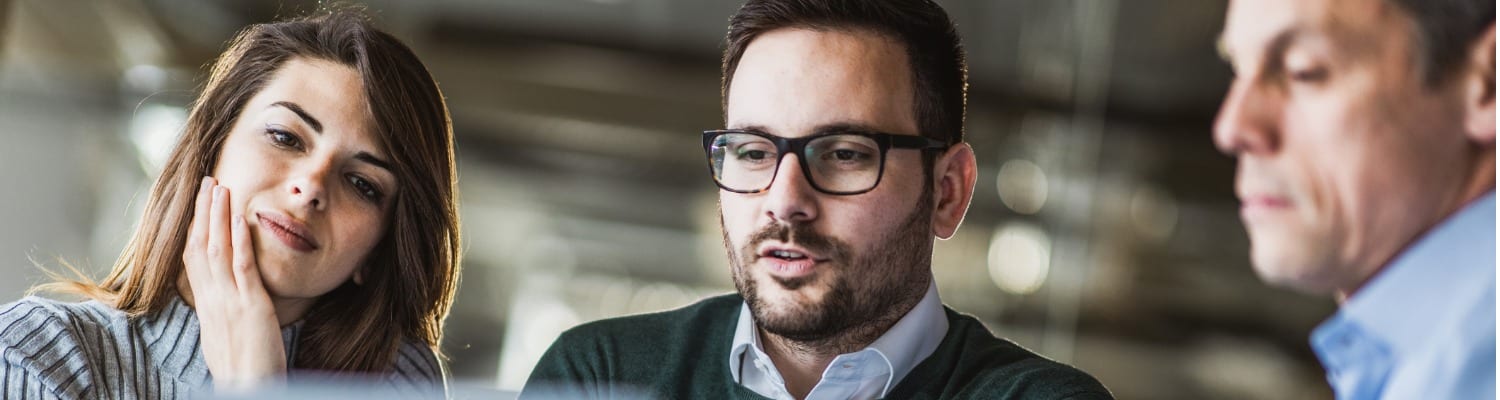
{"type": "Point", "coordinates": [306, 220]}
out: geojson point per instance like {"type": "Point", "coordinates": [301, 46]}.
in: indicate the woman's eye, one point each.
{"type": "Point", "coordinates": [365, 188]}
{"type": "Point", "coordinates": [283, 138]}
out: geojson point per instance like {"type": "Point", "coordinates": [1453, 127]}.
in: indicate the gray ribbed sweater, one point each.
{"type": "Point", "coordinates": [59, 350]}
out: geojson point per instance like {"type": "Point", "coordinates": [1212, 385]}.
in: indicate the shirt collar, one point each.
{"type": "Point", "coordinates": [744, 331]}
{"type": "Point", "coordinates": [912, 339]}
{"type": "Point", "coordinates": [1396, 307]}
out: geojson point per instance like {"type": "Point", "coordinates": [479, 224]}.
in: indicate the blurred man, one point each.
{"type": "Point", "coordinates": [843, 159]}
{"type": "Point", "coordinates": [1365, 136]}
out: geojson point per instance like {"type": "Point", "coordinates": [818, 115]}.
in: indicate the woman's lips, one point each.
{"type": "Point", "coordinates": [291, 233]}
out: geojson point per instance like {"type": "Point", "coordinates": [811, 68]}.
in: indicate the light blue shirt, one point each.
{"type": "Point", "coordinates": [865, 374]}
{"type": "Point", "coordinates": [1423, 327]}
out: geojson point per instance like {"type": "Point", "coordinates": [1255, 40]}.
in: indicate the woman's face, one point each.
{"type": "Point", "coordinates": [304, 167]}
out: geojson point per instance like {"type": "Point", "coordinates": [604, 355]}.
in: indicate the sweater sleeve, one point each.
{"type": "Point", "coordinates": [24, 383]}
{"type": "Point", "coordinates": [40, 353]}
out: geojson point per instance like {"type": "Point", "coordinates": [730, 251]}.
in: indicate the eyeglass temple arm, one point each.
{"type": "Point", "coordinates": [916, 142]}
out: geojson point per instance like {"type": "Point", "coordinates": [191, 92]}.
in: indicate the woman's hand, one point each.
{"type": "Point", "coordinates": [239, 332]}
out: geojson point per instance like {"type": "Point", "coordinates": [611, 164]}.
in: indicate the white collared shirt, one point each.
{"type": "Point", "coordinates": [865, 374]}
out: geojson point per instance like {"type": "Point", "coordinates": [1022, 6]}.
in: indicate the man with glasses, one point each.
{"type": "Point", "coordinates": [844, 158]}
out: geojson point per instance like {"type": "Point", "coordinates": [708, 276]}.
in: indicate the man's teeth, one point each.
{"type": "Point", "coordinates": [788, 254]}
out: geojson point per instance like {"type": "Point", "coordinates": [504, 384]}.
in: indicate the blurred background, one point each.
{"type": "Point", "coordinates": [1104, 231]}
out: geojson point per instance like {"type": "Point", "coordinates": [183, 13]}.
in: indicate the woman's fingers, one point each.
{"type": "Point", "coordinates": [193, 259]}
{"type": "Point", "coordinates": [246, 272]}
{"type": "Point", "coordinates": [241, 339]}
{"type": "Point", "coordinates": [198, 230]}
{"type": "Point", "coordinates": [220, 256]}
{"type": "Point", "coordinates": [218, 247]}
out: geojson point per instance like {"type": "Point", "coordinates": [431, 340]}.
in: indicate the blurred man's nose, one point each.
{"type": "Point", "coordinates": [1247, 121]}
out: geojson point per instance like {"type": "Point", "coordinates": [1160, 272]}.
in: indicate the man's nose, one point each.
{"type": "Point", "coordinates": [791, 197]}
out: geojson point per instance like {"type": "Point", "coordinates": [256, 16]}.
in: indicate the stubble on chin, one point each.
{"type": "Point", "coordinates": [795, 317]}
{"type": "Point", "coordinates": [864, 294]}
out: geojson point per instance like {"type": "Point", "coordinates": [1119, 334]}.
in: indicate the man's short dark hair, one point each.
{"type": "Point", "coordinates": [939, 72]}
{"type": "Point", "coordinates": [1445, 30]}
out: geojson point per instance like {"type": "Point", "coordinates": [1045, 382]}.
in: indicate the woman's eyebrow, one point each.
{"type": "Point", "coordinates": [308, 118]}
{"type": "Point", "coordinates": [376, 161]}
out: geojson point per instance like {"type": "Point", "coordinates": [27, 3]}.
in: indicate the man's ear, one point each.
{"type": "Point", "coordinates": [1479, 89]}
{"type": "Point", "coordinates": [954, 172]}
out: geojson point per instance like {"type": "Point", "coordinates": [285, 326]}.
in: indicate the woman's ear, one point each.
{"type": "Point", "coordinates": [955, 173]}
{"type": "Point", "coordinates": [359, 276]}
{"type": "Point", "coordinates": [1479, 89]}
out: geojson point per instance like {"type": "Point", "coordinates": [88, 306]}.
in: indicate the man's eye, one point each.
{"type": "Point", "coordinates": [754, 155]}
{"type": "Point", "coordinates": [847, 155]}
{"type": "Point", "coordinates": [1309, 75]}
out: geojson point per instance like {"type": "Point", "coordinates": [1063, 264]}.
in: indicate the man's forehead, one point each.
{"type": "Point", "coordinates": [793, 79]}
{"type": "Point", "coordinates": [1254, 26]}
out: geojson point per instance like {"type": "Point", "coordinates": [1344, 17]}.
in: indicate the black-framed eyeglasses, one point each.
{"type": "Point", "coordinates": [838, 163]}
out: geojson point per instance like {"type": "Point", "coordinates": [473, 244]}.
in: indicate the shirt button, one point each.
{"type": "Point", "coordinates": [848, 366]}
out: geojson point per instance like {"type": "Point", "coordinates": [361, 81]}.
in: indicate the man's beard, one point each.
{"type": "Point", "coordinates": [865, 290]}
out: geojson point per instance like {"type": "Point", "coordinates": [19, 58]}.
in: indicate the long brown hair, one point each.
{"type": "Point", "coordinates": [411, 276]}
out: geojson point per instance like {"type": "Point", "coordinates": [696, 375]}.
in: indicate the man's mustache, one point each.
{"type": "Point", "coordinates": [797, 234]}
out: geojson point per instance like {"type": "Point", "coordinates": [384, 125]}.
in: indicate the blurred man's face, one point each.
{"type": "Point", "coordinates": [812, 265]}
{"type": "Point", "coordinates": [1344, 155]}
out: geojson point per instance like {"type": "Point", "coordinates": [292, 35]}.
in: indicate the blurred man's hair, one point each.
{"type": "Point", "coordinates": [1445, 30]}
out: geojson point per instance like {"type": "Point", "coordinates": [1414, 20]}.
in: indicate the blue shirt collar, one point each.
{"type": "Point", "coordinates": [1412, 294]}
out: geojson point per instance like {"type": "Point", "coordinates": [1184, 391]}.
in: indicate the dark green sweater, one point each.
{"type": "Point", "coordinates": [684, 353]}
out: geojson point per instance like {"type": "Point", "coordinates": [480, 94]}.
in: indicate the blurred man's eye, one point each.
{"type": "Point", "coordinates": [1308, 74]}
